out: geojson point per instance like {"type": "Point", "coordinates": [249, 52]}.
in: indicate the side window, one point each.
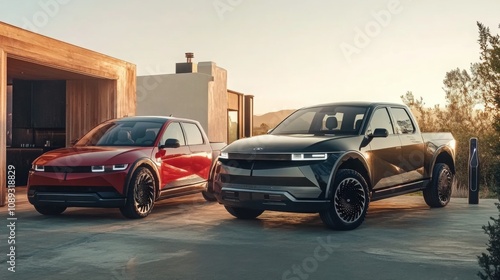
{"type": "Point", "coordinates": [193, 134]}
{"type": "Point", "coordinates": [403, 121]}
{"type": "Point", "coordinates": [174, 131]}
{"type": "Point", "coordinates": [381, 119]}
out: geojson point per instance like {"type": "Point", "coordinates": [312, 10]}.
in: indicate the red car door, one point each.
{"type": "Point", "coordinates": [201, 152]}
{"type": "Point", "coordinates": [175, 169]}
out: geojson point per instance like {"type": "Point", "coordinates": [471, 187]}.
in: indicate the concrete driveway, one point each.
{"type": "Point", "coordinates": [188, 238]}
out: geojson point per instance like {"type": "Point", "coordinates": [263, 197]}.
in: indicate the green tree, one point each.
{"type": "Point", "coordinates": [464, 94]}
{"type": "Point", "coordinates": [489, 69]}
{"type": "Point", "coordinates": [489, 73]}
{"type": "Point", "coordinates": [425, 116]}
{"type": "Point", "coordinates": [461, 117]}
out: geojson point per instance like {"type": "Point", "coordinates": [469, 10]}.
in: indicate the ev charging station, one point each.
{"type": "Point", "coordinates": [473, 171]}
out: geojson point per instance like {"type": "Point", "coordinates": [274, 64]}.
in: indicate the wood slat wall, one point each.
{"type": "Point", "coordinates": [88, 103]}
{"type": "Point", "coordinates": [126, 91]}
{"type": "Point", "coordinates": [28, 46]}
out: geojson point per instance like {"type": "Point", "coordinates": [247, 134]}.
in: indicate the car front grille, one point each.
{"type": "Point", "coordinates": [72, 189]}
{"type": "Point", "coordinates": [68, 169]}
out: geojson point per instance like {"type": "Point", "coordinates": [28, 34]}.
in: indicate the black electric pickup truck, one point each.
{"type": "Point", "coordinates": [334, 159]}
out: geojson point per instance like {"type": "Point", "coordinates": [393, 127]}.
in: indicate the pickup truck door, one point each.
{"type": "Point", "coordinates": [175, 167]}
{"type": "Point", "coordinates": [385, 153]}
{"type": "Point", "coordinates": [201, 152]}
{"type": "Point", "coordinates": [412, 145]}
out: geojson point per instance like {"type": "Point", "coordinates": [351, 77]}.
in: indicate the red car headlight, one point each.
{"type": "Point", "coordinates": [38, 168]}
{"type": "Point", "coordinates": [104, 168]}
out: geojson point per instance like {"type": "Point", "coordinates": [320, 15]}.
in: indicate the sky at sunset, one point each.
{"type": "Point", "coordinates": [287, 53]}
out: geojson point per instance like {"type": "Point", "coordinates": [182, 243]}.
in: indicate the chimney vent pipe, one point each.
{"type": "Point", "coordinates": [189, 56]}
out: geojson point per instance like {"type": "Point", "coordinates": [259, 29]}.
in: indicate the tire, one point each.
{"type": "Point", "coordinates": [208, 193]}
{"type": "Point", "coordinates": [208, 196]}
{"type": "Point", "coordinates": [141, 194]}
{"type": "Point", "coordinates": [244, 213]}
{"type": "Point", "coordinates": [50, 209]}
{"type": "Point", "coordinates": [349, 201]}
{"type": "Point", "coordinates": [438, 192]}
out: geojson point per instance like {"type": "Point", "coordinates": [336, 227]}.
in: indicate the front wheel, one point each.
{"type": "Point", "coordinates": [208, 196]}
{"type": "Point", "coordinates": [349, 201]}
{"type": "Point", "coordinates": [244, 213]}
{"type": "Point", "coordinates": [141, 194]}
{"type": "Point", "coordinates": [438, 193]}
{"type": "Point", "coordinates": [49, 209]}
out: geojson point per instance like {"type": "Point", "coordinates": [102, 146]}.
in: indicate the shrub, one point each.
{"type": "Point", "coordinates": [490, 262]}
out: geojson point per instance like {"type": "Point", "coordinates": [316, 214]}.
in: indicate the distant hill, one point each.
{"type": "Point", "coordinates": [271, 119]}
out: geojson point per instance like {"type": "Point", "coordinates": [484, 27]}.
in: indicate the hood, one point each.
{"type": "Point", "coordinates": [92, 155]}
{"type": "Point", "coordinates": [293, 143]}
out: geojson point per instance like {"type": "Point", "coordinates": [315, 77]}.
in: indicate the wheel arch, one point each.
{"type": "Point", "coordinates": [443, 155]}
{"type": "Point", "coordinates": [147, 163]}
{"type": "Point", "coordinates": [351, 160]}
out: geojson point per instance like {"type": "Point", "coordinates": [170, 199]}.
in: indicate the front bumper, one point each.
{"type": "Point", "coordinates": [77, 189]}
{"type": "Point", "coordinates": [269, 200]}
{"type": "Point", "coordinates": [279, 185]}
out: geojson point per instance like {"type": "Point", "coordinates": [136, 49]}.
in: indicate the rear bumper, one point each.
{"type": "Point", "coordinates": [269, 200]}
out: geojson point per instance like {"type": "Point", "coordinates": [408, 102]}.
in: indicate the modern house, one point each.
{"type": "Point", "coordinates": [52, 93]}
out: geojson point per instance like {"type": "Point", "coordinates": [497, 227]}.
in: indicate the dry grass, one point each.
{"type": "Point", "coordinates": [459, 190]}
{"type": "Point", "coordinates": [462, 191]}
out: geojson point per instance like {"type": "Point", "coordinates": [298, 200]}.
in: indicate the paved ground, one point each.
{"type": "Point", "coordinates": [188, 238]}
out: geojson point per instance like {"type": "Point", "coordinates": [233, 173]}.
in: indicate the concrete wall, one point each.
{"type": "Point", "coordinates": [179, 95]}
{"type": "Point", "coordinates": [201, 96]}
{"type": "Point", "coordinates": [217, 101]}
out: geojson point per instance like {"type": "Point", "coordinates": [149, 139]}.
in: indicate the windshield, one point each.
{"type": "Point", "coordinates": [122, 133]}
{"type": "Point", "coordinates": [323, 120]}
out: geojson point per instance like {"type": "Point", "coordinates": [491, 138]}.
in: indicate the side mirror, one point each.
{"type": "Point", "coordinates": [379, 133]}
{"type": "Point", "coordinates": [171, 143]}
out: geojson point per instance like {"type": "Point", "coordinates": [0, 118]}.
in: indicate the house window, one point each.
{"type": "Point", "coordinates": [232, 126]}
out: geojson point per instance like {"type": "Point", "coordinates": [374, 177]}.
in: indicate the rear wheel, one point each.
{"type": "Point", "coordinates": [141, 194]}
{"type": "Point", "coordinates": [244, 213]}
{"type": "Point", "coordinates": [49, 209]}
{"type": "Point", "coordinates": [349, 201]}
{"type": "Point", "coordinates": [438, 193]}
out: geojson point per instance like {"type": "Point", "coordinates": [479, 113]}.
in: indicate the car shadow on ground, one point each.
{"type": "Point", "coordinates": [403, 212]}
